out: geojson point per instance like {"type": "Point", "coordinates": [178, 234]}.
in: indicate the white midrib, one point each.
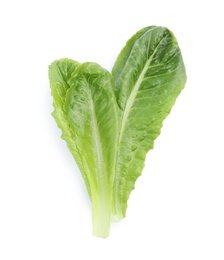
{"type": "Point", "coordinates": [97, 141]}
{"type": "Point", "coordinates": [128, 106]}
{"type": "Point", "coordinates": [134, 92]}
{"type": "Point", "coordinates": [101, 208]}
{"type": "Point", "coordinates": [132, 96]}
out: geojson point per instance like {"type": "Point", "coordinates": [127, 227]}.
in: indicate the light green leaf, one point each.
{"type": "Point", "coordinates": [59, 74]}
{"type": "Point", "coordinates": [91, 115]}
{"type": "Point", "coordinates": [149, 74]}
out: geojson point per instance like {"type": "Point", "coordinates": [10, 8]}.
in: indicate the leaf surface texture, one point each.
{"type": "Point", "coordinates": [149, 75]}
{"type": "Point", "coordinates": [111, 120]}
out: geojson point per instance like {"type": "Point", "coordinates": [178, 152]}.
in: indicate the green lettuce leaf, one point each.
{"type": "Point", "coordinates": [89, 113]}
{"type": "Point", "coordinates": [149, 74]}
{"type": "Point", "coordinates": [59, 74]}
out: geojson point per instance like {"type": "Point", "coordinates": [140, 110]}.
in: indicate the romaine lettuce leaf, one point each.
{"type": "Point", "coordinates": [149, 74]}
{"type": "Point", "coordinates": [89, 113]}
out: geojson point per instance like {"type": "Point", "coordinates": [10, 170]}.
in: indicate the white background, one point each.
{"type": "Point", "coordinates": [177, 209]}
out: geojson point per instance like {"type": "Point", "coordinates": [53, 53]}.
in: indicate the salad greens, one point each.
{"type": "Point", "coordinates": [110, 120]}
